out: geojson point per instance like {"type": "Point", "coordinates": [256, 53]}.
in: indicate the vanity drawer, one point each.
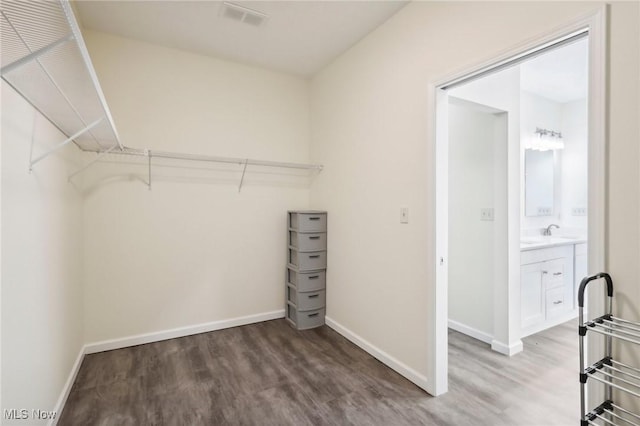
{"type": "Point", "coordinates": [553, 274]}
{"type": "Point", "coordinates": [316, 241]}
{"type": "Point", "coordinates": [306, 301]}
{"type": "Point", "coordinates": [308, 222]}
{"type": "Point", "coordinates": [308, 261]}
{"type": "Point", "coordinates": [306, 281]}
{"type": "Point", "coordinates": [306, 319]}
{"type": "Point", "coordinates": [556, 302]}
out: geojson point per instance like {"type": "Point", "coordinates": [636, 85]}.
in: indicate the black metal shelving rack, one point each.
{"type": "Point", "coordinates": [608, 371]}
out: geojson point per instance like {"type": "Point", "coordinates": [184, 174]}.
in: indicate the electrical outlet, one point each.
{"type": "Point", "coordinates": [579, 211]}
{"type": "Point", "coordinates": [544, 211]}
{"type": "Point", "coordinates": [486, 214]}
{"type": "Point", "coordinates": [404, 214]}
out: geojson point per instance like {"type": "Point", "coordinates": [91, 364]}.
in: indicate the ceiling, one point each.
{"type": "Point", "coordinates": [560, 74]}
{"type": "Point", "coordinates": [298, 37]}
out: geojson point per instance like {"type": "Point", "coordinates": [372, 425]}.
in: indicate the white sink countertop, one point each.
{"type": "Point", "coordinates": [539, 241]}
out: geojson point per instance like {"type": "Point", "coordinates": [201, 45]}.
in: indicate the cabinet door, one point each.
{"type": "Point", "coordinates": [532, 294]}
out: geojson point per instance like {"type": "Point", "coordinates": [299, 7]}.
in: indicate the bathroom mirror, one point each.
{"type": "Point", "coordinates": [538, 182]}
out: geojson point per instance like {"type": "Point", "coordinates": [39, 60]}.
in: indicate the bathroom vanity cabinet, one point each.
{"type": "Point", "coordinates": [549, 278]}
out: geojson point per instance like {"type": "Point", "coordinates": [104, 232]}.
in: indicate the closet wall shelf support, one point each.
{"type": "Point", "coordinates": [244, 170]}
{"type": "Point", "coordinates": [149, 164]}
{"type": "Point", "coordinates": [61, 144]}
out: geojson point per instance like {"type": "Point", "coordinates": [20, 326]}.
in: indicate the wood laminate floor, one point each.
{"type": "Point", "coordinates": [271, 374]}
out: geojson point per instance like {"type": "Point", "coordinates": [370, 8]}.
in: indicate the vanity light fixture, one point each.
{"type": "Point", "coordinates": [545, 140]}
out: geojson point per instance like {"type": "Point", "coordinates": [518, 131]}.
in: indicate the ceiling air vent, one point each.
{"type": "Point", "coordinates": [242, 14]}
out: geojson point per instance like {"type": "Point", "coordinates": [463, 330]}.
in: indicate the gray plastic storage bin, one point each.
{"type": "Point", "coordinates": [308, 221]}
{"type": "Point", "coordinates": [306, 281]}
{"type": "Point", "coordinates": [305, 288]}
{"type": "Point", "coordinates": [306, 301]}
{"type": "Point", "coordinates": [305, 320]}
{"type": "Point", "coordinates": [316, 241]}
{"type": "Point", "coordinates": [308, 261]}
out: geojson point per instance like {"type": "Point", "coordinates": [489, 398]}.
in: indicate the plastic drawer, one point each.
{"type": "Point", "coordinates": [316, 241]}
{"type": "Point", "coordinates": [306, 281]}
{"type": "Point", "coordinates": [307, 301]}
{"type": "Point", "coordinates": [305, 320]}
{"type": "Point", "coordinates": [308, 222]}
{"type": "Point", "coordinates": [308, 261]}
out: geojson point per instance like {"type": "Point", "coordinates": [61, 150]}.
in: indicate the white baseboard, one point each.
{"type": "Point", "coordinates": [505, 349]}
{"type": "Point", "coordinates": [391, 362]}
{"type": "Point", "coordinates": [470, 331]}
{"type": "Point", "coordinates": [67, 387]}
{"type": "Point", "coordinates": [157, 336]}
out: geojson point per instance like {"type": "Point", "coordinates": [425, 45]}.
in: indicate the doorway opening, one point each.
{"type": "Point", "coordinates": [480, 225]}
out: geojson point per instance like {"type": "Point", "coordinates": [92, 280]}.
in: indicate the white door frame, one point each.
{"type": "Point", "coordinates": [595, 23]}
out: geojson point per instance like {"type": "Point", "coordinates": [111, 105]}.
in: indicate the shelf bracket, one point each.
{"type": "Point", "coordinates": [244, 170]}
{"type": "Point", "coordinates": [149, 162]}
{"type": "Point", "coordinates": [60, 145]}
{"type": "Point", "coordinates": [89, 164]}
{"type": "Point", "coordinates": [35, 55]}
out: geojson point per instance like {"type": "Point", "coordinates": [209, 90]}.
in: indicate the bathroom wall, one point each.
{"type": "Point", "coordinates": [570, 178]}
{"type": "Point", "coordinates": [474, 136]}
{"type": "Point", "coordinates": [497, 93]}
{"type": "Point", "coordinates": [536, 111]}
{"type": "Point", "coordinates": [574, 168]}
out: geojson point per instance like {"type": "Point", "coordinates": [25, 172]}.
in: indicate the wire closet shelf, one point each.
{"type": "Point", "coordinates": [44, 58]}
{"type": "Point", "coordinates": [608, 371]}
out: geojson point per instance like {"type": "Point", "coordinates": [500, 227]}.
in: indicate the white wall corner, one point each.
{"type": "Point", "coordinates": [399, 367]}
{"type": "Point", "coordinates": [505, 349]}
{"type": "Point", "coordinates": [157, 336]}
{"type": "Point", "coordinates": [471, 332]}
{"type": "Point", "coordinates": [66, 390]}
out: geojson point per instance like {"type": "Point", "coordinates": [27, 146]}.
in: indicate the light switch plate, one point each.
{"type": "Point", "coordinates": [579, 211]}
{"type": "Point", "coordinates": [404, 214]}
{"type": "Point", "coordinates": [486, 214]}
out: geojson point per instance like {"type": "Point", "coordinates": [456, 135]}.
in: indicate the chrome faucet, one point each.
{"type": "Point", "coordinates": [547, 231]}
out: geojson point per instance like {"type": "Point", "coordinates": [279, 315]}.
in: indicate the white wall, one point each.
{"type": "Point", "coordinates": [371, 129]}
{"type": "Point", "coordinates": [192, 250]}
{"type": "Point", "coordinates": [574, 163]}
{"type": "Point", "coordinates": [41, 262]}
{"type": "Point", "coordinates": [472, 141]}
{"type": "Point", "coordinates": [501, 92]}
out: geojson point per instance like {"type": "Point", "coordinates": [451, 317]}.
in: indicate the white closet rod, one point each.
{"type": "Point", "coordinates": [193, 157]}
{"type": "Point", "coordinates": [214, 159]}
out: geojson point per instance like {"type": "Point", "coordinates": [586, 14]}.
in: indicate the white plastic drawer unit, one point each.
{"type": "Point", "coordinates": [315, 241]}
{"type": "Point", "coordinates": [308, 221]}
{"type": "Point", "coordinates": [306, 281]}
{"type": "Point", "coordinates": [307, 301]}
{"type": "Point", "coordinates": [307, 261]}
